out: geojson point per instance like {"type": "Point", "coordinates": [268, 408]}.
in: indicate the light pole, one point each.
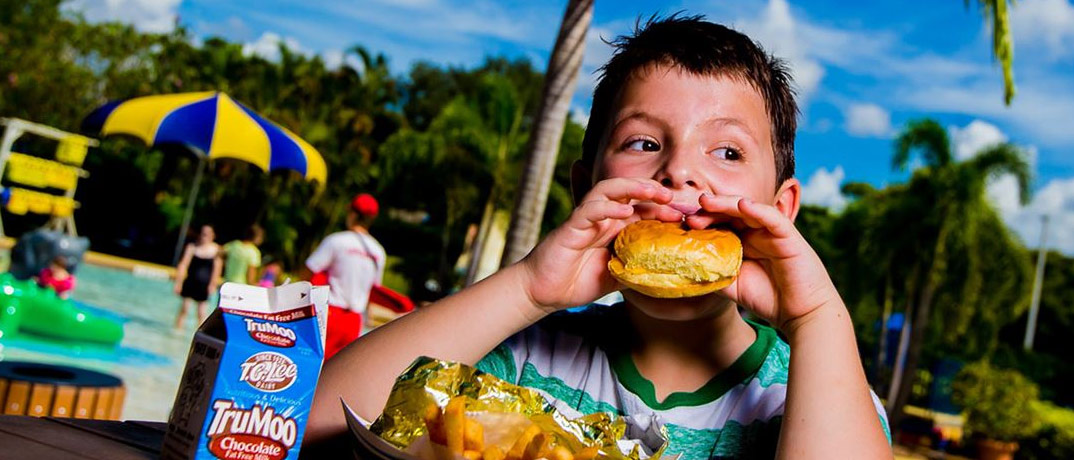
{"type": "Point", "coordinates": [1034, 303]}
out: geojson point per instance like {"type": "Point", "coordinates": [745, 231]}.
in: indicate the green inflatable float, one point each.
{"type": "Point", "coordinates": [27, 308]}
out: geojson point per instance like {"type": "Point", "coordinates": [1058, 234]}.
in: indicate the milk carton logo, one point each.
{"type": "Point", "coordinates": [269, 371]}
{"type": "Point", "coordinates": [256, 433]}
{"type": "Point", "coordinates": [270, 333]}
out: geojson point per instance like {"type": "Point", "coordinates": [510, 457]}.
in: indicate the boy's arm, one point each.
{"type": "Point", "coordinates": [462, 327]}
{"type": "Point", "coordinates": [568, 268]}
{"type": "Point", "coordinates": [829, 408]}
{"type": "Point", "coordinates": [829, 411]}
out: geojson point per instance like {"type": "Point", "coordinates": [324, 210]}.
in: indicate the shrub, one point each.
{"type": "Point", "coordinates": [1056, 436]}
{"type": "Point", "coordinates": [997, 402]}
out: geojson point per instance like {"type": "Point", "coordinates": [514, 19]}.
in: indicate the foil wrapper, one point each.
{"type": "Point", "coordinates": [504, 408]}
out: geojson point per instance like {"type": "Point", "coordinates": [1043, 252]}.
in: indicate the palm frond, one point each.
{"type": "Point", "coordinates": [858, 189]}
{"type": "Point", "coordinates": [1005, 158]}
{"type": "Point", "coordinates": [996, 11]}
{"type": "Point", "coordinates": [927, 137]}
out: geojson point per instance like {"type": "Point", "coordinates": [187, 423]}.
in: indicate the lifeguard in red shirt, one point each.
{"type": "Point", "coordinates": [350, 262]}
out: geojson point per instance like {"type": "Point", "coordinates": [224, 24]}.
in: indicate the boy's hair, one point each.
{"type": "Point", "coordinates": [702, 48]}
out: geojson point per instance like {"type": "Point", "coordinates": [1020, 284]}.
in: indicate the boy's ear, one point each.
{"type": "Point", "coordinates": [788, 198]}
{"type": "Point", "coordinates": [581, 180]}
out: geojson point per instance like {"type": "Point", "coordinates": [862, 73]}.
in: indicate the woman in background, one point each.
{"type": "Point", "coordinates": [197, 274]}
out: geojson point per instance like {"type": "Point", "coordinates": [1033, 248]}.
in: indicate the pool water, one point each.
{"type": "Point", "coordinates": [151, 357]}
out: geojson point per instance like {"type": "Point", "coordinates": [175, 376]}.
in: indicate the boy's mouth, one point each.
{"type": "Point", "coordinates": [686, 209]}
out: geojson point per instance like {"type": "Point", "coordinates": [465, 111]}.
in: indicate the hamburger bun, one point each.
{"type": "Point", "coordinates": [661, 259]}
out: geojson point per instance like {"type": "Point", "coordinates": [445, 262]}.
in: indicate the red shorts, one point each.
{"type": "Point", "coordinates": [344, 326]}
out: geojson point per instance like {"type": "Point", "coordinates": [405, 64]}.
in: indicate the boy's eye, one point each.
{"type": "Point", "coordinates": [644, 145]}
{"type": "Point", "coordinates": [727, 153]}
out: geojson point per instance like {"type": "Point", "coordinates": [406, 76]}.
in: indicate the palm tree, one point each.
{"type": "Point", "coordinates": [559, 83]}
{"type": "Point", "coordinates": [952, 212]}
{"type": "Point", "coordinates": [498, 113]}
{"type": "Point", "coordinates": [1002, 44]}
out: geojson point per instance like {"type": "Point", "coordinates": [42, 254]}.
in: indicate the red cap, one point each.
{"type": "Point", "coordinates": [365, 205]}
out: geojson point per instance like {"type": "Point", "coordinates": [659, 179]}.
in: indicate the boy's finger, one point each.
{"type": "Point", "coordinates": [657, 212]}
{"type": "Point", "coordinates": [624, 190]}
{"type": "Point", "coordinates": [598, 210]}
{"type": "Point", "coordinates": [768, 217]}
{"type": "Point", "coordinates": [728, 205]}
{"type": "Point", "coordinates": [707, 219]}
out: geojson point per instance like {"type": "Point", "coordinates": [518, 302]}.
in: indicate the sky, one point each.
{"type": "Point", "coordinates": [862, 70]}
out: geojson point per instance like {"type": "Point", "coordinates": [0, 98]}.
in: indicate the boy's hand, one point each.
{"type": "Point", "coordinates": [570, 266]}
{"type": "Point", "coordinates": [782, 279]}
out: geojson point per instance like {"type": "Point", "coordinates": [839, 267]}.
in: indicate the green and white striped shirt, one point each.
{"type": "Point", "coordinates": [579, 360]}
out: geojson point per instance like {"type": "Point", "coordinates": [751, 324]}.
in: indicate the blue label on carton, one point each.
{"type": "Point", "coordinates": [264, 387]}
{"type": "Point", "coordinates": [254, 404]}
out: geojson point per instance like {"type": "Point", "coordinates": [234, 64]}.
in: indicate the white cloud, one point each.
{"type": "Point", "coordinates": [336, 58]}
{"type": "Point", "coordinates": [910, 79]}
{"type": "Point", "coordinates": [823, 189]}
{"type": "Point", "coordinates": [267, 46]}
{"type": "Point", "coordinates": [1047, 22]}
{"type": "Point", "coordinates": [579, 115]}
{"type": "Point", "coordinates": [868, 120]}
{"type": "Point", "coordinates": [1055, 199]}
{"type": "Point", "coordinates": [1037, 107]}
{"type": "Point", "coordinates": [440, 21]}
{"type": "Point", "coordinates": [974, 137]}
{"type": "Point", "coordinates": [781, 35]}
{"type": "Point", "coordinates": [145, 15]}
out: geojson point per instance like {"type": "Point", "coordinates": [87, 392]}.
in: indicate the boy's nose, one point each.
{"type": "Point", "coordinates": [679, 170]}
{"type": "Point", "coordinates": [670, 183]}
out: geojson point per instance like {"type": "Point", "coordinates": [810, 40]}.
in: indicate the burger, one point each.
{"type": "Point", "coordinates": [664, 260]}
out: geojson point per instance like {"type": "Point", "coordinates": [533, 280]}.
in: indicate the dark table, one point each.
{"type": "Point", "coordinates": [66, 438]}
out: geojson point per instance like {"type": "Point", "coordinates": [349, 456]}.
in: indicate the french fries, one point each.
{"type": "Point", "coordinates": [589, 453]}
{"type": "Point", "coordinates": [519, 448]}
{"type": "Point", "coordinates": [473, 435]}
{"type": "Point", "coordinates": [434, 423]}
{"type": "Point", "coordinates": [455, 424]}
{"type": "Point", "coordinates": [465, 436]}
{"type": "Point", "coordinates": [539, 447]}
{"type": "Point", "coordinates": [493, 453]}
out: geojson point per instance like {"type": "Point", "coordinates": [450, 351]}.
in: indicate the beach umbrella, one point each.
{"type": "Point", "coordinates": [212, 126]}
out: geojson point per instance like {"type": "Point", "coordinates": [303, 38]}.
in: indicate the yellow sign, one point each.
{"type": "Point", "coordinates": [23, 201]}
{"type": "Point", "coordinates": [72, 150]}
{"type": "Point", "coordinates": [41, 173]}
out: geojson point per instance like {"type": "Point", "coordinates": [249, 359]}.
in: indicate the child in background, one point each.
{"type": "Point", "coordinates": [56, 276]}
{"type": "Point", "coordinates": [242, 258]}
{"type": "Point", "coordinates": [270, 274]}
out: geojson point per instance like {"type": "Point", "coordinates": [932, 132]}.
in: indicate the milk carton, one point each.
{"type": "Point", "coordinates": [250, 375]}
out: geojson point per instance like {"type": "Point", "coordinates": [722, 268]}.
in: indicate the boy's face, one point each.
{"type": "Point", "coordinates": [694, 134]}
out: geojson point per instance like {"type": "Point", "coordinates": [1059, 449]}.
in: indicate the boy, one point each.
{"type": "Point", "coordinates": [691, 121]}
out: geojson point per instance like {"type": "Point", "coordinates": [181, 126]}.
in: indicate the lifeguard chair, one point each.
{"type": "Point", "coordinates": [32, 181]}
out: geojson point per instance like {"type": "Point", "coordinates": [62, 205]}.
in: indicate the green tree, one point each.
{"type": "Point", "coordinates": [948, 232]}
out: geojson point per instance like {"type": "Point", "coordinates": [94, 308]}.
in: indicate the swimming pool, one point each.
{"type": "Point", "coordinates": [151, 357]}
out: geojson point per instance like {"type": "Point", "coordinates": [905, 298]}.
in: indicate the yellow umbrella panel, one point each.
{"type": "Point", "coordinates": [212, 125]}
